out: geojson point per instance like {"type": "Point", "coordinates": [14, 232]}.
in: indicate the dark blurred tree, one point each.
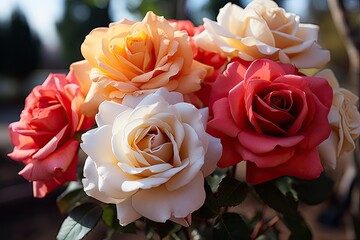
{"type": "Point", "coordinates": [80, 17]}
{"type": "Point", "coordinates": [20, 48]}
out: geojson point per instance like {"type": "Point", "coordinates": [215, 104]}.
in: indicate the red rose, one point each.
{"type": "Point", "coordinates": [215, 60]}
{"type": "Point", "coordinates": [43, 137]}
{"type": "Point", "coordinates": [272, 117]}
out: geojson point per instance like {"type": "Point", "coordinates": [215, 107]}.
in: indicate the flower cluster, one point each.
{"type": "Point", "coordinates": [173, 103]}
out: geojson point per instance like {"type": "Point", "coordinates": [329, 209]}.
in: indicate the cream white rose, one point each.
{"type": "Point", "coordinates": [263, 30]}
{"type": "Point", "coordinates": [149, 156]}
{"type": "Point", "coordinates": [344, 119]}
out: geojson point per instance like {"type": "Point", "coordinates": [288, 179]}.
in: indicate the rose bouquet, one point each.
{"type": "Point", "coordinates": [181, 124]}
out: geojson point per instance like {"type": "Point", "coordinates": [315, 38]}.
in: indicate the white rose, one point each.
{"type": "Point", "coordinates": [263, 30]}
{"type": "Point", "coordinates": [149, 156]}
{"type": "Point", "coordinates": [344, 119]}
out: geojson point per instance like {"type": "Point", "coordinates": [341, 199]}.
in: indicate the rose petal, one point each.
{"type": "Point", "coordinates": [108, 111]}
{"type": "Point", "coordinates": [261, 143]}
{"type": "Point", "coordinates": [24, 146]}
{"type": "Point", "coordinates": [186, 221]}
{"type": "Point", "coordinates": [230, 156]}
{"type": "Point", "coordinates": [313, 57]}
{"type": "Point", "coordinates": [191, 82]}
{"type": "Point", "coordinates": [272, 158]}
{"type": "Point", "coordinates": [81, 70]}
{"type": "Point", "coordinates": [41, 188]}
{"type": "Point", "coordinates": [304, 164]}
{"type": "Point", "coordinates": [91, 183]}
{"type": "Point", "coordinates": [192, 116]}
{"type": "Point", "coordinates": [223, 121]}
{"type": "Point", "coordinates": [92, 139]}
{"type": "Point", "coordinates": [158, 168]}
{"type": "Point", "coordinates": [212, 156]}
{"type": "Point", "coordinates": [112, 181]}
{"type": "Point", "coordinates": [55, 163]}
{"type": "Point", "coordinates": [96, 95]}
{"type": "Point", "coordinates": [308, 31]}
{"type": "Point", "coordinates": [91, 47]}
{"type": "Point", "coordinates": [264, 69]}
{"type": "Point", "coordinates": [193, 150]}
{"type": "Point", "coordinates": [228, 10]}
{"type": "Point", "coordinates": [231, 77]}
{"type": "Point", "coordinates": [51, 145]}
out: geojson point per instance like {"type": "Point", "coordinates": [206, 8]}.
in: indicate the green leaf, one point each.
{"type": "Point", "coordinates": [314, 191]}
{"type": "Point", "coordinates": [230, 226]}
{"type": "Point", "coordinates": [285, 185]}
{"type": "Point", "coordinates": [109, 217]}
{"type": "Point", "coordinates": [284, 203]}
{"type": "Point", "coordinates": [161, 229]}
{"type": "Point", "coordinates": [231, 192]}
{"type": "Point", "coordinates": [81, 221]}
{"type": "Point", "coordinates": [271, 234]}
{"type": "Point", "coordinates": [73, 196]}
{"type": "Point", "coordinates": [274, 198]}
{"type": "Point", "coordinates": [298, 227]}
{"type": "Point", "coordinates": [210, 208]}
{"type": "Point", "coordinates": [214, 181]}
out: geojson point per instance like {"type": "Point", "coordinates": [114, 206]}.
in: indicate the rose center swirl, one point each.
{"type": "Point", "coordinates": [154, 145]}
{"type": "Point", "coordinates": [273, 112]}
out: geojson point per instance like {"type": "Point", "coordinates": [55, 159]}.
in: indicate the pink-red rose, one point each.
{"type": "Point", "coordinates": [43, 138]}
{"type": "Point", "coordinates": [272, 117]}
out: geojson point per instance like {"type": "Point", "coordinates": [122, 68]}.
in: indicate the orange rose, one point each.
{"type": "Point", "coordinates": [130, 57]}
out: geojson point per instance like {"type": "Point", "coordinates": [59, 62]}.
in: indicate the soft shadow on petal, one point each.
{"type": "Point", "coordinates": [81, 69]}
{"type": "Point", "coordinates": [212, 156]}
{"type": "Point", "coordinates": [126, 213]}
{"type": "Point", "coordinates": [170, 97]}
{"type": "Point", "coordinates": [97, 144]}
{"type": "Point", "coordinates": [112, 179]}
{"type": "Point", "coordinates": [96, 95]}
{"type": "Point", "coordinates": [160, 204]}
{"type": "Point", "coordinates": [91, 183]}
{"type": "Point", "coordinates": [314, 57]}
{"type": "Point", "coordinates": [273, 158]}
{"type": "Point", "coordinates": [108, 111]}
{"type": "Point", "coordinates": [327, 151]}
{"type": "Point", "coordinates": [261, 143]}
